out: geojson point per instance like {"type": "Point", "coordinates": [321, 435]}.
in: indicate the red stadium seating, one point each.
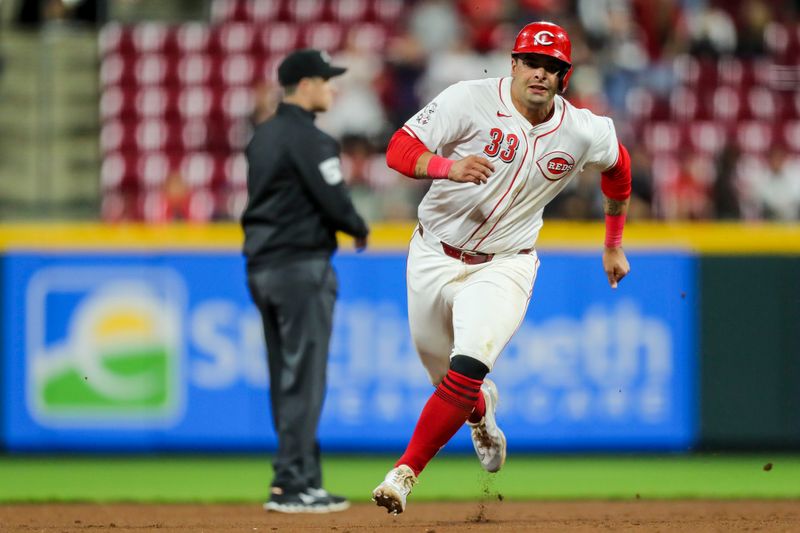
{"type": "Point", "coordinates": [327, 36]}
{"type": "Point", "coordinates": [753, 136]}
{"type": "Point", "coordinates": [349, 11]}
{"type": "Point", "coordinates": [662, 137]}
{"type": "Point", "coordinates": [368, 36]}
{"type": "Point", "coordinates": [177, 99]}
{"type": "Point", "coordinates": [304, 11]}
{"type": "Point", "coordinates": [234, 38]}
{"type": "Point", "coordinates": [279, 38]}
{"type": "Point", "coordinates": [387, 11]}
{"type": "Point", "coordinates": [192, 38]}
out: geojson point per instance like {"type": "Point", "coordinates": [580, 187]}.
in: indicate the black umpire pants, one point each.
{"type": "Point", "coordinates": [296, 301]}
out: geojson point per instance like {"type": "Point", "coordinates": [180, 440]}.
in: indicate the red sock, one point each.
{"type": "Point", "coordinates": [479, 411]}
{"type": "Point", "coordinates": [443, 414]}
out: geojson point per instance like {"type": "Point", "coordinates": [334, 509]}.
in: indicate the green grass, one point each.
{"type": "Point", "coordinates": [246, 478]}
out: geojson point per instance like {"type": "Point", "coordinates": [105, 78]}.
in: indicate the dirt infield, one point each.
{"type": "Point", "coordinates": [638, 515]}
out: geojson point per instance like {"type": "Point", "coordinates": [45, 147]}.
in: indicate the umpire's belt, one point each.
{"type": "Point", "coordinates": [468, 257]}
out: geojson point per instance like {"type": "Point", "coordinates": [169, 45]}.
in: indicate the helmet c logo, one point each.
{"type": "Point", "coordinates": [544, 38]}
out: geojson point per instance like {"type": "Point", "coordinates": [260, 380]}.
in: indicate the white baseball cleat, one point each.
{"type": "Point", "coordinates": [487, 438]}
{"type": "Point", "coordinates": [394, 489]}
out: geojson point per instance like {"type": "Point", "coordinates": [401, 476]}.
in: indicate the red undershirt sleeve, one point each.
{"type": "Point", "coordinates": [616, 181]}
{"type": "Point", "coordinates": [403, 152]}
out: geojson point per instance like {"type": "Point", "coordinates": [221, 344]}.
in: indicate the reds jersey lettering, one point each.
{"type": "Point", "coordinates": [532, 163]}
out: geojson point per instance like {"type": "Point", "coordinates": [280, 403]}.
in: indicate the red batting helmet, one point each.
{"type": "Point", "coordinates": [547, 39]}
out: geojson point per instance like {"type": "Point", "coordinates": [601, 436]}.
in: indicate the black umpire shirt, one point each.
{"type": "Point", "coordinates": [297, 199]}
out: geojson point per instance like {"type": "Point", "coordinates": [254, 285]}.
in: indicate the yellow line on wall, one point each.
{"type": "Point", "coordinates": [727, 238]}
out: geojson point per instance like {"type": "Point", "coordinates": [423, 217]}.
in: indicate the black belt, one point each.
{"type": "Point", "coordinates": [469, 257]}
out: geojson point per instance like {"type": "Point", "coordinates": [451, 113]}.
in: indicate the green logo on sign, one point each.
{"type": "Point", "coordinates": [117, 361]}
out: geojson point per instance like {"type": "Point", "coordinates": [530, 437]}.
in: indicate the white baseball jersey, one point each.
{"type": "Point", "coordinates": [532, 163]}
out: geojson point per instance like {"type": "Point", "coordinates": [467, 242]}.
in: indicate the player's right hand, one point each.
{"type": "Point", "coordinates": [472, 169]}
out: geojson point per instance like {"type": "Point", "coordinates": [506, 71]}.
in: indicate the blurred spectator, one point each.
{"type": "Point", "coordinates": [774, 188]}
{"type": "Point", "coordinates": [685, 195]}
{"type": "Point", "coordinates": [618, 49]}
{"type": "Point", "coordinates": [725, 193]}
{"type": "Point", "coordinates": [435, 25]}
{"type": "Point", "coordinates": [663, 26]}
{"type": "Point", "coordinates": [267, 96]}
{"type": "Point", "coordinates": [357, 108]}
{"type": "Point", "coordinates": [405, 64]}
{"type": "Point", "coordinates": [755, 17]}
{"type": "Point", "coordinates": [641, 206]}
{"type": "Point", "coordinates": [712, 32]}
{"type": "Point", "coordinates": [580, 200]}
{"type": "Point", "coordinates": [33, 13]}
{"type": "Point", "coordinates": [176, 197]}
{"type": "Point", "coordinates": [482, 18]}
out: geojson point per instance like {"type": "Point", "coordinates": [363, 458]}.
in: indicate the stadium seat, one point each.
{"type": "Point", "coordinates": [753, 136]}
{"type": "Point", "coordinates": [118, 136]}
{"type": "Point", "coordinates": [639, 104]}
{"type": "Point", "coordinates": [235, 169]}
{"type": "Point", "coordinates": [790, 131]}
{"type": "Point", "coordinates": [237, 102]}
{"type": "Point", "coordinates": [238, 69]}
{"type": "Point", "coordinates": [387, 11]}
{"type": "Point", "coordinates": [201, 169]}
{"type": "Point", "coordinates": [684, 104]}
{"type": "Point", "coordinates": [368, 36]}
{"type": "Point", "coordinates": [119, 206]}
{"type": "Point", "coordinates": [234, 38]}
{"type": "Point", "coordinates": [196, 102]}
{"type": "Point", "coordinates": [133, 103]}
{"type": "Point", "coordinates": [192, 38]}
{"type": "Point", "coordinates": [154, 69]}
{"type": "Point", "coordinates": [279, 38]}
{"type": "Point", "coordinates": [349, 11]}
{"type": "Point", "coordinates": [118, 172]}
{"type": "Point", "coordinates": [228, 10]}
{"type": "Point", "coordinates": [793, 109]}
{"type": "Point", "coordinates": [268, 69]}
{"type": "Point", "coordinates": [762, 104]}
{"type": "Point", "coordinates": [782, 41]}
{"type": "Point", "coordinates": [726, 103]}
{"type": "Point", "coordinates": [686, 69]}
{"type": "Point", "coordinates": [114, 38]}
{"type": "Point", "coordinates": [304, 11]}
{"type": "Point", "coordinates": [195, 69]}
{"type": "Point", "coordinates": [328, 36]}
{"type": "Point", "coordinates": [231, 204]}
{"type": "Point", "coordinates": [730, 71]}
{"type": "Point", "coordinates": [260, 11]}
{"type": "Point", "coordinates": [662, 137]}
{"type": "Point", "coordinates": [152, 170]}
{"type": "Point", "coordinates": [150, 37]}
{"type": "Point", "coordinates": [705, 137]}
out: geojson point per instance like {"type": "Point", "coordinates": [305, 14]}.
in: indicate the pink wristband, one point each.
{"type": "Point", "coordinates": [614, 225]}
{"type": "Point", "coordinates": [439, 167]}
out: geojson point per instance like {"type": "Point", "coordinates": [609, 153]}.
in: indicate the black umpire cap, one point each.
{"type": "Point", "coordinates": [307, 63]}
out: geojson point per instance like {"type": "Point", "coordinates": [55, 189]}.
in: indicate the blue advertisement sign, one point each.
{"type": "Point", "coordinates": [164, 351]}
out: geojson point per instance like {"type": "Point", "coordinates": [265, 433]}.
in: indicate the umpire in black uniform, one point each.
{"type": "Point", "coordinates": [297, 203]}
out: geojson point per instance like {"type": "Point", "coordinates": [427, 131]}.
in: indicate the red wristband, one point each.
{"type": "Point", "coordinates": [439, 167]}
{"type": "Point", "coordinates": [614, 225]}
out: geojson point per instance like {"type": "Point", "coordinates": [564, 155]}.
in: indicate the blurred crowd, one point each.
{"type": "Point", "coordinates": [633, 59]}
{"type": "Point", "coordinates": [629, 54]}
{"type": "Point", "coordinates": [704, 93]}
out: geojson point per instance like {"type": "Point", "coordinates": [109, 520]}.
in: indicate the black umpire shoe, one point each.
{"type": "Point", "coordinates": [307, 501]}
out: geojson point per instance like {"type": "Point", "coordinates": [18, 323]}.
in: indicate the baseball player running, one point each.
{"type": "Point", "coordinates": [498, 151]}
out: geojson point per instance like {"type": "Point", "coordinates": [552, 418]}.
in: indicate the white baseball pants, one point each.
{"type": "Point", "coordinates": [460, 309]}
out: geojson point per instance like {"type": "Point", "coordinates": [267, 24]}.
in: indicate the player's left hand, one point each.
{"type": "Point", "coordinates": [616, 265]}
